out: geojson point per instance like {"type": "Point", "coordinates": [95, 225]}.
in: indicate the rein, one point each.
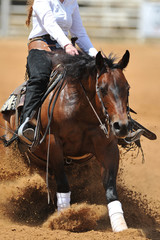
{"type": "Point", "coordinates": [56, 92]}
{"type": "Point", "coordinates": [104, 110]}
{"type": "Point", "coordinates": [56, 82]}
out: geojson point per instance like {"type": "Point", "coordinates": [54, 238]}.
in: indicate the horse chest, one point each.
{"type": "Point", "coordinates": [75, 140]}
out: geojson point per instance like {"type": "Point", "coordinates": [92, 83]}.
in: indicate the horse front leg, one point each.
{"type": "Point", "coordinates": [109, 174]}
{"type": "Point", "coordinates": [108, 155]}
{"type": "Point", "coordinates": [115, 211]}
{"type": "Point", "coordinates": [57, 164]}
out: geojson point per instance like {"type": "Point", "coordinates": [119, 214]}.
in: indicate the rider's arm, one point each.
{"type": "Point", "coordinates": [78, 30]}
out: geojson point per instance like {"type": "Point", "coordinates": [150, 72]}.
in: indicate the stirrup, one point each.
{"type": "Point", "coordinates": [26, 135]}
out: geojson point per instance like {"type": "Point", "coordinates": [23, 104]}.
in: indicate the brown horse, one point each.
{"type": "Point", "coordinates": [87, 116]}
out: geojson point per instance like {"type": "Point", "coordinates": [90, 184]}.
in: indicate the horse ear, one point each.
{"type": "Point", "coordinates": [99, 60]}
{"type": "Point", "coordinates": [124, 61]}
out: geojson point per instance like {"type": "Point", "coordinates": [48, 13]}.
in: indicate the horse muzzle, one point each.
{"type": "Point", "coordinates": [121, 129]}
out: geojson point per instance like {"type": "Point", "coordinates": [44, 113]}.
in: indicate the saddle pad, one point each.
{"type": "Point", "coordinates": [10, 104]}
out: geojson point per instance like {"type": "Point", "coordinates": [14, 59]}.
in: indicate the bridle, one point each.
{"type": "Point", "coordinates": [104, 110]}
{"type": "Point", "coordinates": [106, 125]}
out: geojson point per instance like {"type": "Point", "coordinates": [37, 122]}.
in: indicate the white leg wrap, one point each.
{"type": "Point", "coordinates": [117, 220]}
{"type": "Point", "coordinates": [63, 201]}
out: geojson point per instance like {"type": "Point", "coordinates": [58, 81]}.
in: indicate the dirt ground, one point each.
{"type": "Point", "coordinates": [24, 212]}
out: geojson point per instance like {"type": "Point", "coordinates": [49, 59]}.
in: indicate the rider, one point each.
{"type": "Point", "coordinates": [52, 20]}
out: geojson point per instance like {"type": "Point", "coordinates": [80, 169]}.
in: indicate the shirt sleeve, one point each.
{"type": "Point", "coordinates": [44, 12]}
{"type": "Point", "coordinates": [78, 30]}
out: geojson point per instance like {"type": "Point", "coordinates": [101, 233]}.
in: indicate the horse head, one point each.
{"type": "Point", "coordinates": [113, 91]}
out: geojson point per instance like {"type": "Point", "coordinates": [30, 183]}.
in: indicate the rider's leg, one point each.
{"type": "Point", "coordinates": [39, 69]}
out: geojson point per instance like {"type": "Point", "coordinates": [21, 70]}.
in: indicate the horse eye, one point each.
{"type": "Point", "coordinates": [103, 91]}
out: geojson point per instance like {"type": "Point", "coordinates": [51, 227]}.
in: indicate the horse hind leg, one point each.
{"type": "Point", "coordinates": [63, 201]}
{"type": "Point", "coordinates": [63, 194]}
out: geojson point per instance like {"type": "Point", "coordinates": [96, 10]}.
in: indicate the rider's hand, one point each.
{"type": "Point", "coordinates": [70, 49]}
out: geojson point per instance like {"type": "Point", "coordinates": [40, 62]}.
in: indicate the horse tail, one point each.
{"type": "Point", "coordinates": [30, 10]}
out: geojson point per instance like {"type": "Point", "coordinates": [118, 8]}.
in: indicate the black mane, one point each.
{"type": "Point", "coordinates": [80, 65]}
{"type": "Point", "coordinates": [110, 61]}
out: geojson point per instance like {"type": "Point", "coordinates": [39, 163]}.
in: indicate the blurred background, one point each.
{"type": "Point", "coordinates": [109, 19]}
{"type": "Point", "coordinates": [113, 26]}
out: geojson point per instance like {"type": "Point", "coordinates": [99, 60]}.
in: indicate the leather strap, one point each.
{"type": "Point", "coordinates": [39, 44]}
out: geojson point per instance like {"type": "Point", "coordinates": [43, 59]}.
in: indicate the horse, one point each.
{"type": "Point", "coordinates": [87, 117]}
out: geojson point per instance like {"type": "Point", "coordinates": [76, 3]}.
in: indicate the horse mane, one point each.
{"type": "Point", "coordinates": [30, 10]}
{"type": "Point", "coordinates": [81, 65]}
{"type": "Point", "coordinates": [110, 60]}
{"type": "Point", "coordinates": [76, 66]}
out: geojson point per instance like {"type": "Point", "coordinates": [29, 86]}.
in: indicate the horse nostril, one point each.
{"type": "Point", "coordinates": [116, 126]}
{"type": "Point", "coordinates": [120, 129]}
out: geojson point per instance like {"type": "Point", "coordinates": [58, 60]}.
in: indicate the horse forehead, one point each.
{"type": "Point", "coordinates": [114, 78]}
{"type": "Point", "coordinates": [117, 78]}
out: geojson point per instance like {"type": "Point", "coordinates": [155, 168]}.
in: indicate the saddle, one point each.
{"type": "Point", "coordinates": [15, 102]}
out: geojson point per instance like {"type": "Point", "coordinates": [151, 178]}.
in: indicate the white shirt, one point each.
{"type": "Point", "coordinates": [58, 19]}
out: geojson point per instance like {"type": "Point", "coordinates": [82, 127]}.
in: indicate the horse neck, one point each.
{"type": "Point", "coordinates": [89, 85]}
